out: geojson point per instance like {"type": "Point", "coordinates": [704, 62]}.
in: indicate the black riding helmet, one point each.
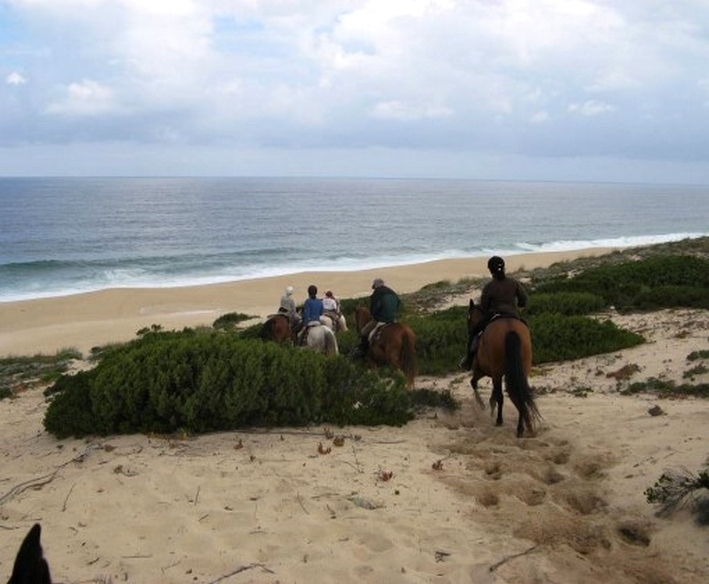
{"type": "Point", "coordinates": [496, 265]}
{"type": "Point", "coordinates": [312, 290]}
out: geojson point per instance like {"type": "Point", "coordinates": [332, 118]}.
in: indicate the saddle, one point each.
{"type": "Point", "coordinates": [494, 317]}
{"type": "Point", "coordinates": [306, 330]}
{"type": "Point", "coordinates": [334, 318]}
{"type": "Point", "coordinates": [377, 331]}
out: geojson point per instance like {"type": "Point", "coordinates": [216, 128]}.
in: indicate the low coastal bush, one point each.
{"type": "Point", "coordinates": [21, 372]}
{"type": "Point", "coordinates": [565, 303]}
{"type": "Point", "coordinates": [663, 281]}
{"type": "Point", "coordinates": [667, 388]}
{"type": "Point", "coordinates": [560, 338]}
{"type": "Point", "coordinates": [677, 489]}
{"type": "Point", "coordinates": [200, 382]}
{"type": "Point", "coordinates": [230, 320]}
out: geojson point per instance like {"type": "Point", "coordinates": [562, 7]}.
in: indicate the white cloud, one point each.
{"type": "Point", "coordinates": [539, 117]}
{"type": "Point", "coordinates": [591, 108]}
{"type": "Point", "coordinates": [87, 98]}
{"type": "Point", "coordinates": [397, 110]}
{"type": "Point", "coordinates": [15, 78]}
{"type": "Point", "coordinates": [283, 73]}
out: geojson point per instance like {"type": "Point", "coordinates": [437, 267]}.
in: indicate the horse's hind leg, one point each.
{"type": "Point", "coordinates": [474, 384]}
{"type": "Point", "coordinates": [496, 399]}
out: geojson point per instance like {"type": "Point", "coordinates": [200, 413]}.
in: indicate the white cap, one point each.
{"type": "Point", "coordinates": [289, 290]}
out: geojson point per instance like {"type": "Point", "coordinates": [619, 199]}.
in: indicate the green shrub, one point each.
{"type": "Point", "coordinates": [559, 338]}
{"type": "Point", "coordinates": [654, 282]}
{"type": "Point", "coordinates": [230, 320]}
{"type": "Point", "coordinates": [566, 303]}
{"type": "Point", "coordinates": [668, 388]}
{"type": "Point", "coordinates": [441, 339]}
{"type": "Point", "coordinates": [165, 382]}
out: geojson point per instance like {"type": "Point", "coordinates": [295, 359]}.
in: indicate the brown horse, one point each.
{"type": "Point", "coordinates": [393, 344]}
{"type": "Point", "coordinates": [505, 350]}
{"type": "Point", "coordinates": [277, 328]}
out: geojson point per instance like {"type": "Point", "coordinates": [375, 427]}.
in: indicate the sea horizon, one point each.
{"type": "Point", "coordinates": [67, 235]}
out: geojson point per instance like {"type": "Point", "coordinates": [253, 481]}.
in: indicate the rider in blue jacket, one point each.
{"type": "Point", "coordinates": [312, 310]}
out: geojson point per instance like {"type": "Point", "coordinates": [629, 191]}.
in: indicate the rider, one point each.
{"type": "Point", "coordinates": [384, 305]}
{"type": "Point", "coordinates": [288, 307]}
{"type": "Point", "coordinates": [312, 311]}
{"type": "Point", "coordinates": [502, 295]}
{"type": "Point", "coordinates": [331, 304]}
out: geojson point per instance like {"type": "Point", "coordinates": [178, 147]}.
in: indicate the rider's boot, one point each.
{"type": "Point", "coordinates": [467, 362]}
{"type": "Point", "coordinates": [361, 349]}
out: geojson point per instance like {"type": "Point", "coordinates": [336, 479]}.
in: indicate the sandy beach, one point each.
{"type": "Point", "coordinates": [449, 498]}
{"type": "Point", "coordinates": [83, 321]}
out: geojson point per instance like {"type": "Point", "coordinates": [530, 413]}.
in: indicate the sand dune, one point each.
{"type": "Point", "coordinates": [447, 498]}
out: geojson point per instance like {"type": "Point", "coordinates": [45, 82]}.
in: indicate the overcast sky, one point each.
{"type": "Point", "coordinates": [601, 90]}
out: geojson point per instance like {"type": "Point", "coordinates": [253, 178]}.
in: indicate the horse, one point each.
{"type": "Point", "coordinates": [277, 328]}
{"type": "Point", "coordinates": [30, 566]}
{"type": "Point", "coordinates": [322, 339]}
{"type": "Point", "coordinates": [504, 350]}
{"type": "Point", "coordinates": [391, 344]}
{"type": "Point", "coordinates": [334, 322]}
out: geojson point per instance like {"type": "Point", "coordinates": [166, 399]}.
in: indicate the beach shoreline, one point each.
{"type": "Point", "coordinates": [86, 320]}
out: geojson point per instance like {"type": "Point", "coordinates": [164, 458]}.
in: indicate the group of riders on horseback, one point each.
{"type": "Point", "coordinates": [499, 341]}
{"type": "Point", "coordinates": [316, 312]}
{"type": "Point", "coordinates": [502, 296]}
{"type": "Point", "coordinates": [384, 307]}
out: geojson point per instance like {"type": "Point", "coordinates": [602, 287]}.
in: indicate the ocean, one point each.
{"type": "Point", "coordinates": [60, 236]}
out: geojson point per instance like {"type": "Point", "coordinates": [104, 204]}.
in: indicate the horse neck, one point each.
{"type": "Point", "coordinates": [475, 317]}
{"type": "Point", "coordinates": [362, 317]}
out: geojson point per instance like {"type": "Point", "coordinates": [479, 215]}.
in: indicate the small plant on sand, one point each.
{"type": "Point", "coordinates": [581, 391]}
{"type": "Point", "coordinates": [667, 388]}
{"type": "Point", "coordinates": [230, 320]}
{"type": "Point", "coordinates": [694, 371]}
{"type": "Point", "coordinates": [21, 372]}
{"type": "Point", "coordinates": [678, 489]}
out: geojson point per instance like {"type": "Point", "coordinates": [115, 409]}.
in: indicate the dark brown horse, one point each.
{"type": "Point", "coordinates": [277, 328]}
{"type": "Point", "coordinates": [393, 344]}
{"type": "Point", "coordinates": [505, 350]}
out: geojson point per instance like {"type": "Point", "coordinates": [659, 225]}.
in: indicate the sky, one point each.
{"type": "Point", "coordinates": [582, 90]}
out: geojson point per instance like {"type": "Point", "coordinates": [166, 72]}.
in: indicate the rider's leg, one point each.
{"type": "Point", "coordinates": [473, 340]}
{"type": "Point", "coordinates": [363, 347]}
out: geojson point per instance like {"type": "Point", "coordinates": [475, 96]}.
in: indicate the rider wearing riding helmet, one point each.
{"type": "Point", "coordinates": [502, 295]}
{"type": "Point", "coordinates": [287, 307]}
{"type": "Point", "coordinates": [384, 306]}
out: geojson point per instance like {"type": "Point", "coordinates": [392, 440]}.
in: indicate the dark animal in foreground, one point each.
{"type": "Point", "coordinates": [505, 351]}
{"type": "Point", "coordinates": [392, 344]}
{"type": "Point", "coordinates": [30, 566]}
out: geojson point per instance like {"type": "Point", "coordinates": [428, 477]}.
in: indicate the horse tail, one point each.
{"type": "Point", "coordinates": [330, 343]}
{"type": "Point", "coordinates": [516, 380]}
{"type": "Point", "coordinates": [408, 354]}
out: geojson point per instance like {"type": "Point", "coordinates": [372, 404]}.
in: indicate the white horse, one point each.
{"type": "Point", "coordinates": [321, 338]}
{"type": "Point", "coordinates": [334, 322]}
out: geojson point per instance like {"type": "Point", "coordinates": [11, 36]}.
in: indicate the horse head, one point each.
{"type": "Point", "coordinates": [361, 317]}
{"type": "Point", "coordinates": [475, 314]}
